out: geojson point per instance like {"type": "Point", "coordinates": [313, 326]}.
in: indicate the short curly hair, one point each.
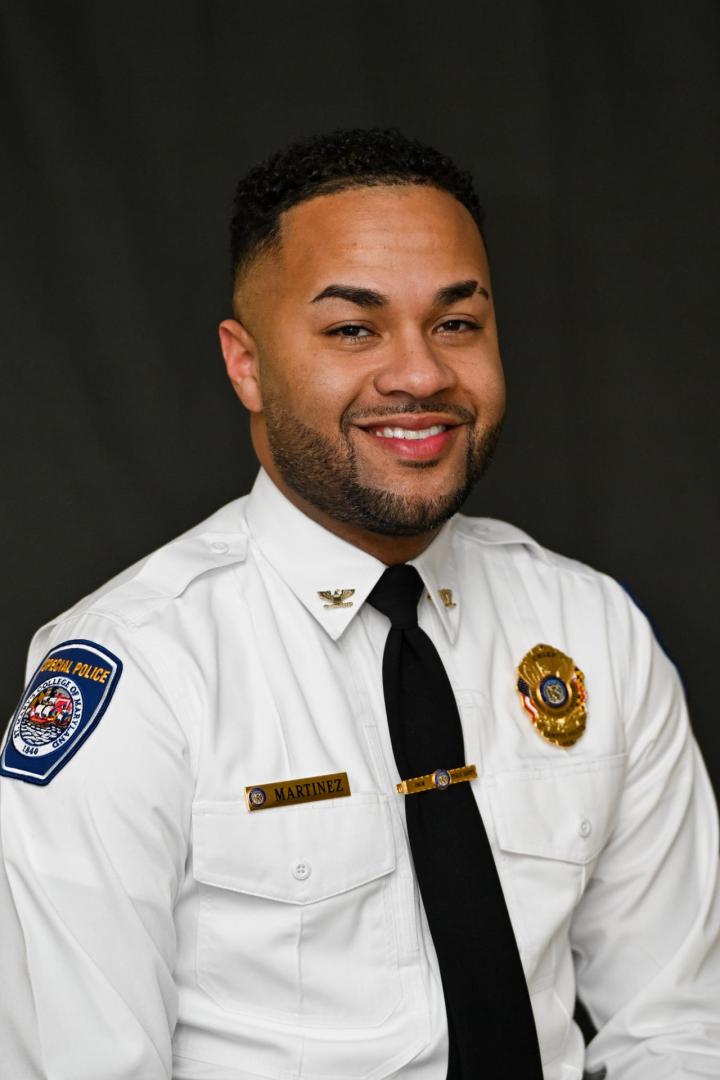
{"type": "Point", "coordinates": [324, 164]}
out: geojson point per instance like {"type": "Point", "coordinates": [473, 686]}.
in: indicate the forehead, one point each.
{"type": "Point", "coordinates": [381, 232]}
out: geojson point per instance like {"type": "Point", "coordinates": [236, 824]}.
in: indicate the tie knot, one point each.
{"type": "Point", "coordinates": [396, 595]}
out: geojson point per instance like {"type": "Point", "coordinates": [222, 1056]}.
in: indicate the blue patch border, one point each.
{"type": "Point", "coordinates": [74, 745]}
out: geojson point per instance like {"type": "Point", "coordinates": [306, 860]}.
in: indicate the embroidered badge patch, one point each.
{"type": "Point", "coordinates": [62, 704]}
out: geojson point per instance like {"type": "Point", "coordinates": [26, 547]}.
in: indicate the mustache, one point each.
{"type": "Point", "coordinates": [415, 408]}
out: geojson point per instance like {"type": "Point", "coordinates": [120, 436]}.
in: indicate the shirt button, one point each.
{"type": "Point", "coordinates": [301, 871]}
{"type": "Point", "coordinates": [585, 828]}
{"type": "Point", "coordinates": [219, 547]}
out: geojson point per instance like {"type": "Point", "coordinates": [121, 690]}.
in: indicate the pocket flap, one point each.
{"type": "Point", "coordinates": [564, 813]}
{"type": "Point", "coordinates": [297, 854]}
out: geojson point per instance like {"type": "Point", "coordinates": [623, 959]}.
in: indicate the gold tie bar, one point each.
{"type": "Point", "coordinates": [438, 780]}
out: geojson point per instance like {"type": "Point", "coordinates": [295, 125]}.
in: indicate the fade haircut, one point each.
{"type": "Point", "coordinates": [325, 164]}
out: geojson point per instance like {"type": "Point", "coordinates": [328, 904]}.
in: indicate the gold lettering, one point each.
{"type": "Point", "coordinates": [57, 664]}
{"type": "Point", "coordinates": [85, 671]}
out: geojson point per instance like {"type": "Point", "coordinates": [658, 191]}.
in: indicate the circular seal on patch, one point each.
{"type": "Point", "coordinates": [48, 717]}
{"type": "Point", "coordinates": [257, 796]}
{"type": "Point", "coordinates": [441, 779]}
{"type": "Point", "coordinates": [554, 692]}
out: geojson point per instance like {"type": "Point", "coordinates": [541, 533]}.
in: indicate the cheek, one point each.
{"type": "Point", "coordinates": [316, 390]}
{"type": "Point", "coordinates": [497, 393]}
{"type": "Point", "coordinates": [485, 386]}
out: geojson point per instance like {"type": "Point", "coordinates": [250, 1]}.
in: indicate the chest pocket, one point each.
{"type": "Point", "coordinates": [295, 920]}
{"type": "Point", "coordinates": [551, 825]}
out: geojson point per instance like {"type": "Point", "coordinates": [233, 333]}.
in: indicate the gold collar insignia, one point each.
{"type": "Point", "coordinates": [337, 598]}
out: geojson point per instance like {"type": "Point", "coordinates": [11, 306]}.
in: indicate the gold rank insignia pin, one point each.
{"type": "Point", "coordinates": [336, 598]}
{"type": "Point", "coordinates": [292, 792]}
{"type": "Point", "coordinates": [446, 595]}
{"type": "Point", "coordinates": [552, 692]}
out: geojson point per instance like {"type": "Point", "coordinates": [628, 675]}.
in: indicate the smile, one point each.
{"type": "Point", "coordinates": [413, 439]}
{"type": "Point", "coordinates": [407, 433]}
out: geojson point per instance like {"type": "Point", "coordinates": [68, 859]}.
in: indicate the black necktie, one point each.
{"type": "Point", "coordinates": [490, 1020]}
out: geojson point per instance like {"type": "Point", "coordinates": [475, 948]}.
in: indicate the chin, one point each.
{"type": "Point", "coordinates": [416, 479]}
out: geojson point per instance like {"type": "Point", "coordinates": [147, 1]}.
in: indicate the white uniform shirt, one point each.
{"type": "Point", "coordinates": [170, 932]}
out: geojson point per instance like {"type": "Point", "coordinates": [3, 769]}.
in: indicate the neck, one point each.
{"type": "Point", "coordinates": [390, 550]}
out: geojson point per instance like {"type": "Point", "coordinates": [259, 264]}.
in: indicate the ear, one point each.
{"type": "Point", "coordinates": [240, 353]}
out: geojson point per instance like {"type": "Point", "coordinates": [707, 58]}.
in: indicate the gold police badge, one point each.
{"type": "Point", "coordinates": [552, 692]}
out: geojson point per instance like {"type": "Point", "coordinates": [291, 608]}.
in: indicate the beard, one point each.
{"type": "Point", "coordinates": [325, 473]}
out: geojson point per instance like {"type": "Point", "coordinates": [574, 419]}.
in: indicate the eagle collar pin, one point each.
{"type": "Point", "coordinates": [337, 598]}
{"type": "Point", "coordinates": [552, 692]}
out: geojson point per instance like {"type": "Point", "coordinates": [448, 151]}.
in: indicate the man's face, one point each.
{"type": "Point", "coordinates": [368, 356]}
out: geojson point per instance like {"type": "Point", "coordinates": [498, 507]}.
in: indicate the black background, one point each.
{"type": "Point", "coordinates": [592, 131]}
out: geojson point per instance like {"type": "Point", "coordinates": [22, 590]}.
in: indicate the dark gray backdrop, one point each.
{"type": "Point", "coordinates": [592, 131]}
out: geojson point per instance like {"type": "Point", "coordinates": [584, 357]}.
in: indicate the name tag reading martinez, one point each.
{"type": "Point", "coordinates": [292, 792]}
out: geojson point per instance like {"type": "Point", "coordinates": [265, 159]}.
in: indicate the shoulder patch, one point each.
{"type": "Point", "coordinates": [62, 704]}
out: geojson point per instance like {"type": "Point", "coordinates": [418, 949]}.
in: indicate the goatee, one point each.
{"type": "Point", "coordinates": [325, 473]}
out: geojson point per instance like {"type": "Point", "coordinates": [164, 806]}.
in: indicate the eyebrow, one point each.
{"type": "Point", "coordinates": [354, 293]}
{"type": "Point", "coordinates": [370, 298]}
{"type": "Point", "coordinates": [460, 290]}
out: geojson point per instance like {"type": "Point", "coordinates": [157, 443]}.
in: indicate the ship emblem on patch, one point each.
{"type": "Point", "coordinates": [62, 705]}
{"type": "Point", "coordinates": [49, 716]}
{"type": "Point", "coordinates": [552, 692]}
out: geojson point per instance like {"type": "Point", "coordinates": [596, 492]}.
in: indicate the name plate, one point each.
{"type": "Point", "coordinates": [292, 792]}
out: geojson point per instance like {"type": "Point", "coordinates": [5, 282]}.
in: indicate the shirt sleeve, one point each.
{"type": "Point", "coordinates": [646, 935]}
{"type": "Point", "coordinates": [93, 862]}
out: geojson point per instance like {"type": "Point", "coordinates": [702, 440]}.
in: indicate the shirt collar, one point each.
{"type": "Point", "coordinates": [311, 561]}
{"type": "Point", "coordinates": [436, 566]}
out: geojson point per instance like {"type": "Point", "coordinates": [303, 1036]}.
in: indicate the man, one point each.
{"type": "Point", "coordinates": [349, 785]}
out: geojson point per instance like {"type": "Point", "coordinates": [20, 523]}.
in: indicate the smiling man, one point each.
{"type": "Point", "coordinates": [341, 784]}
{"type": "Point", "coordinates": [365, 349]}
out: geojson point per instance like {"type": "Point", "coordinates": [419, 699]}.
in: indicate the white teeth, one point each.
{"type": "Point", "coordinates": [408, 433]}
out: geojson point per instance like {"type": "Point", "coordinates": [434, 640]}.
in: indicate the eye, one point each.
{"type": "Point", "coordinates": [458, 326]}
{"type": "Point", "coordinates": [349, 330]}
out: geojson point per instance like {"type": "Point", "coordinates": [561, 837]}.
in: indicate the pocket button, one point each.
{"type": "Point", "coordinates": [301, 870]}
{"type": "Point", "coordinates": [585, 828]}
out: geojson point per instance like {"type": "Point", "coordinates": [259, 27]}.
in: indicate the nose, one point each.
{"type": "Point", "coordinates": [413, 367]}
